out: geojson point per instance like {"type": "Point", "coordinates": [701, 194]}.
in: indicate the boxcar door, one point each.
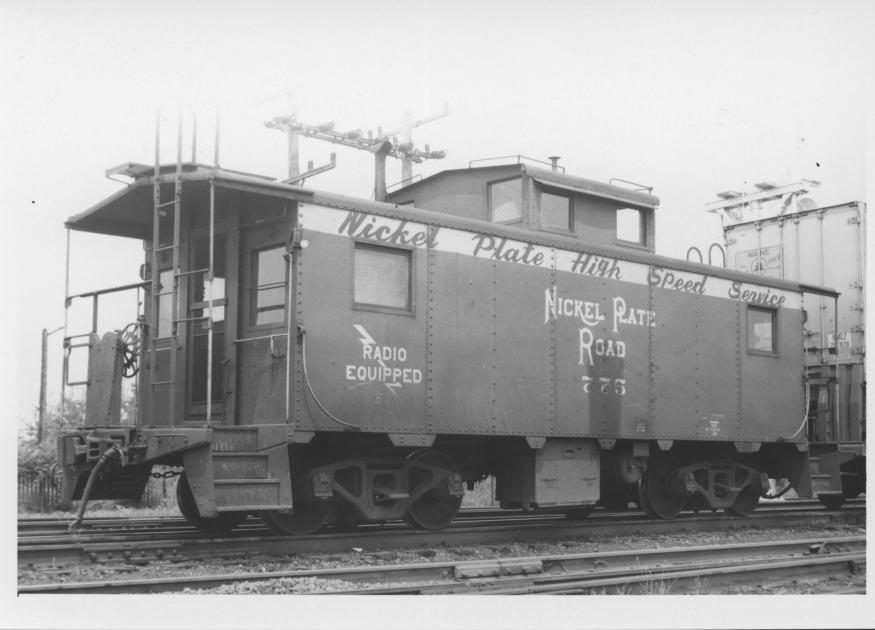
{"type": "Point", "coordinates": [262, 345]}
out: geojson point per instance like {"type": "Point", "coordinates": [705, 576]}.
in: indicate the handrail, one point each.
{"type": "Point", "coordinates": [692, 249]}
{"type": "Point", "coordinates": [125, 287]}
{"type": "Point", "coordinates": [518, 159]}
{"type": "Point", "coordinates": [260, 338]}
{"type": "Point", "coordinates": [404, 182]}
{"type": "Point", "coordinates": [639, 187]}
{"type": "Point", "coordinates": [719, 249]}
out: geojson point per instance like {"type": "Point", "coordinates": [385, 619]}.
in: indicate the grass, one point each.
{"type": "Point", "coordinates": [106, 509]}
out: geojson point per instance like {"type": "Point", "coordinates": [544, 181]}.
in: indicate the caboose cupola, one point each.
{"type": "Point", "coordinates": [542, 199]}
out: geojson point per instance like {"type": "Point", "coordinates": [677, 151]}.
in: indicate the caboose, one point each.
{"type": "Point", "coordinates": [315, 358]}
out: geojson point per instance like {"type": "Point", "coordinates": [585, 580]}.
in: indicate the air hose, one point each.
{"type": "Point", "coordinates": [113, 451]}
{"type": "Point", "coordinates": [784, 491]}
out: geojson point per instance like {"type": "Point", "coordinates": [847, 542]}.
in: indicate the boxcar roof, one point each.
{"type": "Point", "coordinates": [129, 213]}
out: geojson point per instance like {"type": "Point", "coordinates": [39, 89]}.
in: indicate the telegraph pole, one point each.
{"type": "Point", "coordinates": [406, 140]}
{"type": "Point", "coordinates": [404, 151]}
{"type": "Point", "coordinates": [42, 385]}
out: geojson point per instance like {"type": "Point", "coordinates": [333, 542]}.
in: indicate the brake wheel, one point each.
{"type": "Point", "coordinates": [129, 346]}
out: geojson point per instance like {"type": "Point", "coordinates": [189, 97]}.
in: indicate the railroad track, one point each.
{"type": "Point", "coordinates": [661, 571]}
{"type": "Point", "coordinates": [29, 529]}
{"type": "Point", "coordinates": [160, 540]}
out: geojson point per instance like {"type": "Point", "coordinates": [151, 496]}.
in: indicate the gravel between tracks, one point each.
{"type": "Point", "coordinates": [353, 558]}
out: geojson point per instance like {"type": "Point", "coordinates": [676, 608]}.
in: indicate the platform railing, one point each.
{"type": "Point", "coordinates": [71, 342]}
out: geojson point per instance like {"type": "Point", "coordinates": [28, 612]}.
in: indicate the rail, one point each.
{"type": "Point", "coordinates": [518, 159]}
{"type": "Point", "coordinates": [99, 292]}
{"type": "Point", "coordinates": [652, 571]}
{"type": "Point", "coordinates": [404, 182]}
{"type": "Point", "coordinates": [636, 185]}
{"type": "Point", "coordinates": [488, 527]}
{"type": "Point", "coordinates": [95, 296]}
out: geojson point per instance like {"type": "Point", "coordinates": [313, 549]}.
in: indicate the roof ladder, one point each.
{"type": "Point", "coordinates": [181, 315]}
{"type": "Point", "coordinates": [158, 291]}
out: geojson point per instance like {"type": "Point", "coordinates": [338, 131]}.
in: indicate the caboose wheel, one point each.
{"type": "Point", "coordinates": [436, 507]}
{"type": "Point", "coordinates": [832, 501]}
{"type": "Point", "coordinates": [346, 521]}
{"type": "Point", "coordinates": [852, 485]}
{"type": "Point", "coordinates": [306, 518]}
{"type": "Point", "coordinates": [578, 514]}
{"type": "Point", "coordinates": [745, 503]}
{"type": "Point", "coordinates": [187, 506]}
{"type": "Point", "coordinates": [616, 502]}
{"type": "Point", "coordinates": [661, 492]}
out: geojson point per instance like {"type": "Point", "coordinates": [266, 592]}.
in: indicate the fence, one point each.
{"type": "Point", "coordinates": [43, 494]}
{"type": "Point", "coordinates": [38, 494]}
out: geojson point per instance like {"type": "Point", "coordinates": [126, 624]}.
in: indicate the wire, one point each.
{"type": "Point", "coordinates": [351, 427]}
{"type": "Point", "coordinates": [804, 414]}
{"type": "Point", "coordinates": [781, 493]}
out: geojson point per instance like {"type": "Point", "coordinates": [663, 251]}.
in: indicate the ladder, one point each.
{"type": "Point", "coordinates": [179, 314]}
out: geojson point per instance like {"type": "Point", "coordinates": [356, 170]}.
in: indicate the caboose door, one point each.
{"type": "Point", "coordinates": [262, 346]}
{"type": "Point", "coordinates": [207, 391]}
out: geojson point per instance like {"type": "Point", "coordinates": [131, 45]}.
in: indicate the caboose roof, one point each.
{"type": "Point", "coordinates": [551, 178]}
{"type": "Point", "coordinates": [129, 213]}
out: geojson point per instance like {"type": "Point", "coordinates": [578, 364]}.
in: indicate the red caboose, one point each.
{"type": "Point", "coordinates": [314, 357]}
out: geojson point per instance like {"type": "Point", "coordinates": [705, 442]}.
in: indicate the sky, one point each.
{"type": "Point", "coordinates": [691, 98]}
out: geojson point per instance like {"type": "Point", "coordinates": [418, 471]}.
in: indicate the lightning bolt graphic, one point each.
{"type": "Point", "coordinates": [367, 340]}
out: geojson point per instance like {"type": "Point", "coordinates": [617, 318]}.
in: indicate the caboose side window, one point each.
{"type": "Point", "coordinates": [556, 211]}
{"type": "Point", "coordinates": [382, 277]}
{"type": "Point", "coordinates": [761, 335]}
{"type": "Point", "coordinates": [200, 289]}
{"type": "Point", "coordinates": [268, 298]}
{"type": "Point", "coordinates": [505, 201]}
{"type": "Point", "coordinates": [630, 225]}
{"type": "Point", "coordinates": [165, 303]}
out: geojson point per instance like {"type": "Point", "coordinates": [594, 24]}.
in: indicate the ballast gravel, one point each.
{"type": "Point", "coordinates": [359, 558]}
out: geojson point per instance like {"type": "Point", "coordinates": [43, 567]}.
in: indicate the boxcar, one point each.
{"type": "Point", "coordinates": [317, 358]}
{"type": "Point", "coordinates": [778, 232]}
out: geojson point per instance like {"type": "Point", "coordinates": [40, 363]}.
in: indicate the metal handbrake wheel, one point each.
{"type": "Point", "coordinates": [129, 347]}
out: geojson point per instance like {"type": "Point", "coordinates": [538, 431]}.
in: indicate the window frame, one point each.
{"type": "Point", "coordinates": [254, 288]}
{"type": "Point", "coordinates": [749, 334]}
{"type": "Point", "coordinates": [553, 228]}
{"type": "Point", "coordinates": [161, 300]}
{"type": "Point", "coordinates": [407, 251]}
{"type": "Point", "coordinates": [218, 303]}
{"type": "Point", "coordinates": [642, 228]}
{"type": "Point", "coordinates": [489, 209]}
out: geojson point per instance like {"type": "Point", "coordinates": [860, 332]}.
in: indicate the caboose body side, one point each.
{"type": "Point", "coordinates": [314, 357]}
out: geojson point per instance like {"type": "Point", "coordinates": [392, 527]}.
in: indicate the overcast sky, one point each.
{"type": "Point", "coordinates": [691, 98]}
